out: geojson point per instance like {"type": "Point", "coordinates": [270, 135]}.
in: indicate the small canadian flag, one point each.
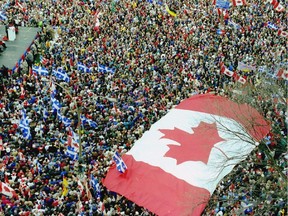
{"type": "Point", "coordinates": [277, 6]}
{"type": "Point", "coordinates": [238, 2]}
{"type": "Point", "coordinates": [23, 93]}
{"type": "Point", "coordinates": [282, 74]}
{"type": "Point", "coordinates": [282, 33]}
{"type": "Point", "coordinates": [242, 79]}
{"type": "Point", "coordinates": [225, 71]}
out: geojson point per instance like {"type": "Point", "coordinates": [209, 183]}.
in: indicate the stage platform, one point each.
{"type": "Point", "coordinates": [15, 49]}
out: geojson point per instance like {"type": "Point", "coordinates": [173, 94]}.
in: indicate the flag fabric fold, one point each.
{"type": "Point", "coordinates": [80, 186]}
{"type": "Point", "coordinates": [73, 140]}
{"type": "Point", "coordinates": [66, 121]}
{"type": "Point", "coordinates": [45, 114]}
{"type": "Point", "coordinates": [56, 105]}
{"type": "Point", "coordinates": [1, 144]}
{"type": "Point", "coordinates": [242, 79]}
{"type": "Point", "coordinates": [233, 24]}
{"type": "Point", "coordinates": [222, 12]}
{"type": "Point", "coordinates": [174, 168]}
{"type": "Point", "coordinates": [224, 4]}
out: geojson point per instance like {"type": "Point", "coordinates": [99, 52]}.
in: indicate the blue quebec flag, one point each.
{"type": "Point", "coordinates": [105, 69]}
{"type": "Point", "coordinates": [72, 153]}
{"type": "Point", "coordinates": [42, 71]}
{"type": "Point", "coordinates": [60, 74]}
{"type": "Point", "coordinates": [83, 68]}
{"type": "Point", "coordinates": [95, 185]}
{"type": "Point", "coordinates": [120, 165]}
{"type": "Point", "coordinates": [24, 126]}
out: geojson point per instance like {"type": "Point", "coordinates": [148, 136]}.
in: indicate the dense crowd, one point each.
{"type": "Point", "coordinates": [158, 60]}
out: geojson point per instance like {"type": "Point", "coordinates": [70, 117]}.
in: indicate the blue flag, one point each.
{"type": "Point", "coordinates": [271, 25]}
{"type": "Point", "coordinates": [56, 106]}
{"type": "Point", "coordinates": [156, 2]}
{"type": "Point", "coordinates": [81, 67]}
{"type": "Point", "coordinates": [39, 167]}
{"type": "Point", "coordinates": [3, 16]}
{"type": "Point", "coordinates": [42, 71]}
{"type": "Point", "coordinates": [45, 114]}
{"type": "Point", "coordinates": [32, 100]}
{"type": "Point", "coordinates": [91, 123]}
{"type": "Point", "coordinates": [105, 69]}
{"type": "Point", "coordinates": [24, 126]}
{"type": "Point", "coordinates": [72, 153]}
{"type": "Point", "coordinates": [120, 165]}
{"type": "Point", "coordinates": [96, 186]}
{"type": "Point", "coordinates": [60, 74]}
{"type": "Point", "coordinates": [222, 4]}
{"type": "Point", "coordinates": [233, 24]}
{"type": "Point", "coordinates": [66, 121]}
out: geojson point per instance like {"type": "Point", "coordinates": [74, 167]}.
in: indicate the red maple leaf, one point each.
{"type": "Point", "coordinates": [193, 147]}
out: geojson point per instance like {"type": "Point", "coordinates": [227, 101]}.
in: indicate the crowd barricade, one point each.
{"type": "Point", "coordinates": [21, 60]}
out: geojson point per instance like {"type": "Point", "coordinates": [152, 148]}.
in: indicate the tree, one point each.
{"type": "Point", "coordinates": [258, 185]}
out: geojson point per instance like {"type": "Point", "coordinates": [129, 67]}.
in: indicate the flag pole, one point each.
{"type": "Point", "coordinates": [222, 19]}
{"type": "Point", "coordinates": [79, 121]}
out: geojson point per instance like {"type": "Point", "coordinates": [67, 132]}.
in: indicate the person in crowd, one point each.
{"type": "Point", "coordinates": [152, 60]}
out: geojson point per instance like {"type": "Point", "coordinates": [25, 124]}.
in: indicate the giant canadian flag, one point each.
{"type": "Point", "coordinates": [174, 167]}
